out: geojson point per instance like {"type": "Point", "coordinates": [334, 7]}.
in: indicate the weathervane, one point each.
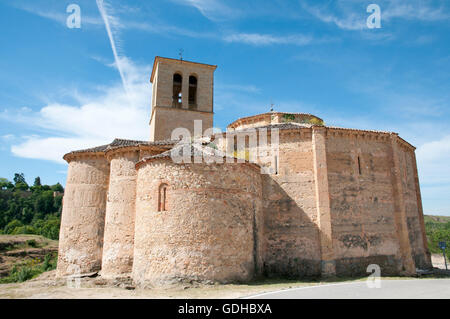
{"type": "Point", "coordinates": [271, 105]}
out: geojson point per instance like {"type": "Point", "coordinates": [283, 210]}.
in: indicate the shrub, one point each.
{"type": "Point", "coordinates": [20, 274]}
{"type": "Point", "coordinates": [49, 262]}
{"type": "Point", "coordinates": [30, 269]}
{"type": "Point", "coordinates": [288, 117]}
{"type": "Point", "coordinates": [12, 226]}
{"type": "Point", "coordinates": [28, 230]}
{"type": "Point", "coordinates": [316, 121]}
{"type": "Point", "coordinates": [32, 243]}
{"type": "Point", "coordinates": [25, 273]}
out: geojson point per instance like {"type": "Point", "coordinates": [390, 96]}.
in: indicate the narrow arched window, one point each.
{"type": "Point", "coordinates": [162, 198]}
{"type": "Point", "coordinates": [192, 92]}
{"type": "Point", "coordinates": [359, 166]}
{"type": "Point", "coordinates": [177, 94]}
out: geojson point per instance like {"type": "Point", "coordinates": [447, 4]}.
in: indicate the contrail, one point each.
{"type": "Point", "coordinates": [102, 10]}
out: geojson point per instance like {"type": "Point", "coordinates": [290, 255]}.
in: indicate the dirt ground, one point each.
{"type": "Point", "coordinates": [47, 287]}
{"type": "Point", "coordinates": [16, 249]}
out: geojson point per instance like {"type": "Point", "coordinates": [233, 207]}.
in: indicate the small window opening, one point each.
{"type": "Point", "coordinates": [276, 165]}
{"type": "Point", "coordinates": [162, 198]}
{"type": "Point", "coordinates": [359, 165]}
{"type": "Point", "coordinates": [192, 92]}
{"type": "Point", "coordinates": [177, 95]}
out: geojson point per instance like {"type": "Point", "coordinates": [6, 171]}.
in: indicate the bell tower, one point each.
{"type": "Point", "coordinates": [182, 93]}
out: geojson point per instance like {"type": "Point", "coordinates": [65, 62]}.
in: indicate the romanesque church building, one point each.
{"type": "Point", "coordinates": [330, 200]}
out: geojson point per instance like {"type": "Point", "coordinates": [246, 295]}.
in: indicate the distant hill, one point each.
{"type": "Point", "coordinates": [26, 209]}
{"type": "Point", "coordinates": [23, 257]}
{"type": "Point", "coordinates": [437, 219]}
{"type": "Point", "coordinates": [437, 229]}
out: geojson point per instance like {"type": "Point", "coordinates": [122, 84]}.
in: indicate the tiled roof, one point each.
{"type": "Point", "coordinates": [195, 149]}
{"type": "Point", "coordinates": [96, 149]}
{"type": "Point", "coordinates": [236, 122]}
{"type": "Point", "coordinates": [281, 126]}
{"type": "Point", "coordinates": [206, 152]}
{"type": "Point", "coordinates": [117, 143]}
{"type": "Point", "coordinates": [292, 125]}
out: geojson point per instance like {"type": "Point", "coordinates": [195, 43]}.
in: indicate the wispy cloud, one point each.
{"type": "Point", "coordinates": [268, 39]}
{"type": "Point", "coordinates": [433, 168]}
{"type": "Point", "coordinates": [352, 15]}
{"type": "Point", "coordinates": [349, 19]}
{"type": "Point", "coordinates": [416, 10]}
{"type": "Point", "coordinates": [58, 16]}
{"type": "Point", "coordinates": [214, 10]}
{"type": "Point", "coordinates": [256, 39]}
{"type": "Point", "coordinates": [95, 121]}
{"type": "Point", "coordinates": [118, 61]}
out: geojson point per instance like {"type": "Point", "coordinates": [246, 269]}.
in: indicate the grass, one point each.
{"type": "Point", "coordinates": [30, 269]}
{"type": "Point", "coordinates": [437, 230]}
{"type": "Point", "coordinates": [13, 242]}
{"type": "Point", "coordinates": [26, 268]}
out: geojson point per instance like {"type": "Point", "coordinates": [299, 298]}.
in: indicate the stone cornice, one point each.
{"type": "Point", "coordinates": [83, 155]}
{"type": "Point", "coordinates": [265, 116]}
{"type": "Point", "coordinates": [176, 109]}
{"type": "Point", "coordinates": [169, 60]}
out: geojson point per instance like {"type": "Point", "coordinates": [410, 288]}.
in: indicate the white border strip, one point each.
{"type": "Point", "coordinates": [330, 285]}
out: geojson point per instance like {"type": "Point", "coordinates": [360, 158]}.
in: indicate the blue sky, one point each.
{"type": "Point", "coordinates": [61, 89]}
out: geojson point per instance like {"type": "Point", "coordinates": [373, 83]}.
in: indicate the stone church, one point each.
{"type": "Point", "coordinates": [334, 201]}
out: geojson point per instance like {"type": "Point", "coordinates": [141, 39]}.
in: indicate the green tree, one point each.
{"type": "Point", "coordinates": [19, 178]}
{"type": "Point", "coordinates": [30, 210]}
{"type": "Point", "coordinates": [5, 184]}
{"type": "Point", "coordinates": [57, 188]}
{"type": "Point", "coordinates": [37, 182]}
{"type": "Point", "coordinates": [11, 227]}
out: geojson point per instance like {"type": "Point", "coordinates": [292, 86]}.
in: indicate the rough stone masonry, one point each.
{"type": "Point", "coordinates": [337, 201]}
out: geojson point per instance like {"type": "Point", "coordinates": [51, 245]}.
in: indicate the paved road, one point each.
{"type": "Point", "coordinates": [392, 289]}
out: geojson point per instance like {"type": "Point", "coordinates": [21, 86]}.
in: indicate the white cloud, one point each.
{"type": "Point", "coordinates": [51, 149]}
{"type": "Point", "coordinates": [349, 20]}
{"type": "Point", "coordinates": [415, 10]}
{"type": "Point", "coordinates": [352, 15]}
{"type": "Point", "coordinates": [433, 161]}
{"type": "Point", "coordinates": [60, 17]}
{"type": "Point", "coordinates": [268, 39]}
{"type": "Point", "coordinates": [96, 121]}
{"type": "Point", "coordinates": [214, 10]}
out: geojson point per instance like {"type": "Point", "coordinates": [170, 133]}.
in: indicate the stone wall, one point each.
{"type": "Point", "coordinates": [83, 215]}
{"type": "Point", "coordinates": [362, 202]}
{"type": "Point", "coordinates": [166, 119]}
{"type": "Point", "coordinates": [413, 209]}
{"type": "Point", "coordinates": [337, 201]}
{"type": "Point", "coordinates": [211, 229]}
{"type": "Point", "coordinates": [120, 213]}
{"type": "Point", "coordinates": [163, 94]}
{"type": "Point", "coordinates": [290, 217]}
